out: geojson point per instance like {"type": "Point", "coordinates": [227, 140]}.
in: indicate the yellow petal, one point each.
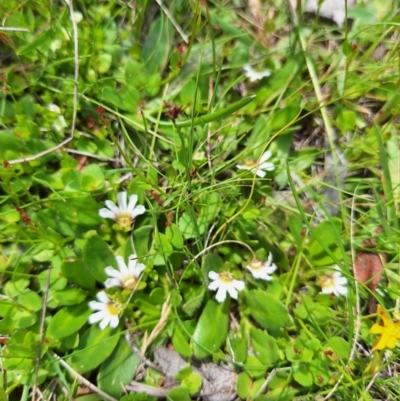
{"type": "Point", "coordinates": [384, 316]}
{"type": "Point", "coordinates": [376, 329]}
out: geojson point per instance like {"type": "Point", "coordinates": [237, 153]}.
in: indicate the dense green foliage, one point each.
{"type": "Point", "coordinates": [162, 103]}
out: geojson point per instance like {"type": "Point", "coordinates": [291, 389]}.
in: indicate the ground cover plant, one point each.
{"type": "Point", "coordinates": [198, 200]}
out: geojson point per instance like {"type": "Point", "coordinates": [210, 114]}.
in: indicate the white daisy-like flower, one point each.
{"type": "Point", "coordinates": [224, 282]}
{"type": "Point", "coordinates": [125, 213]}
{"type": "Point", "coordinates": [108, 311]}
{"type": "Point", "coordinates": [262, 270]}
{"type": "Point", "coordinates": [259, 168]}
{"type": "Point", "coordinates": [254, 75]}
{"type": "Point", "coordinates": [127, 276]}
{"type": "Point", "coordinates": [333, 283]}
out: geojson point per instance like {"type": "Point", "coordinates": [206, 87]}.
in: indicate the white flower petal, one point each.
{"type": "Point", "coordinates": [138, 210]}
{"type": "Point", "coordinates": [121, 200]}
{"type": "Point", "coordinates": [112, 282]}
{"type": "Point", "coordinates": [114, 321]}
{"type": "Point", "coordinates": [54, 108]}
{"type": "Point", "coordinates": [132, 203]}
{"type": "Point", "coordinates": [266, 155]}
{"type": "Point", "coordinates": [95, 317]}
{"type": "Point", "coordinates": [102, 297]}
{"type": "Point", "coordinates": [213, 275]}
{"type": "Point", "coordinates": [238, 284]}
{"type": "Point", "coordinates": [221, 294]}
{"type": "Point", "coordinates": [122, 265]}
{"type": "Point", "coordinates": [268, 166]}
{"type": "Point", "coordinates": [242, 167]}
{"type": "Point", "coordinates": [107, 214]}
{"type": "Point", "coordinates": [135, 268]}
{"type": "Point", "coordinates": [105, 322]}
{"type": "Point", "coordinates": [232, 291]}
{"type": "Point", "coordinates": [111, 272]}
{"type": "Point", "coordinates": [113, 207]}
{"type": "Point", "coordinates": [214, 285]}
{"type": "Point", "coordinates": [97, 305]}
{"type": "Point", "coordinates": [261, 173]}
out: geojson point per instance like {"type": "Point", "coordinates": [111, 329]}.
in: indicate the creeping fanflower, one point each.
{"type": "Point", "coordinates": [125, 213]}
{"type": "Point", "coordinates": [224, 283]}
{"type": "Point", "coordinates": [127, 276]}
{"type": "Point", "coordinates": [108, 311]}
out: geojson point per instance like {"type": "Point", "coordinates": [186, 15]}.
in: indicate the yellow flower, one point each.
{"type": "Point", "coordinates": [389, 331]}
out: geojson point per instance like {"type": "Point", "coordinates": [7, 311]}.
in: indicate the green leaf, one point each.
{"type": "Point", "coordinates": [163, 248]}
{"type": "Point", "coordinates": [96, 257]}
{"type": "Point", "coordinates": [212, 328]}
{"type": "Point", "coordinates": [193, 382]}
{"type": "Point", "coordinates": [94, 348]}
{"type": "Point", "coordinates": [141, 238]}
{"type": "Point", "coordinates": [179, 394]}
{"type": "Point", "coordinates": [340, 347]}
{"type": "Point", "coordinates": [40, 41]}
{"type": "Point", "coordinates": [211, 117]}
{"type": "Point", "coordinates": [324, 240]}
{"type": "Point", "coordinates": [75, 272]}
{"type": "Point", "coordinates": [103, 63]}
{"type": "Point", "coordinates": [302, 375]}
{"type": "Point", "coordinates": [266, 310]}
{"type": "Point", "coordinates": [264, 346]}
{"type": "Point", "coordinates": [93, 178]}
{"type": "Point", "coordinates": [68, 320]}
{"type": "Point", "coordinates": [69, 296]}
{"type": "Point", "coordinates": [157, 44]}
{"type": "Point", "coordinates": [31, 301]}
{"type": "Point", "coordinates": [111, 96]}
{"type": "Point", "coordinates": [180, 343]}
{"type": "Point", "coordinates": [174, 236]}
{"type": "Point", "coordinates": [118, 369]}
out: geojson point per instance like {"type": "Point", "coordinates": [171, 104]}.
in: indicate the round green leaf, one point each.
{"type": "Point", "coordinates": [302, 375]}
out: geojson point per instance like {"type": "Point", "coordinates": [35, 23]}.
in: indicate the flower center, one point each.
{"type": "Point", "coordinates": [226, 277]}
{"type": "Point", "coordinates": [124, 220]}
{"type": "Point", "coordinates": [129, 283]}
{"type": "Point", "coordinates": [114, 308]}
{"type": "Point", "coordinates": [249, 163]}
{"type": "Point", "coordinates": [327, 281]}
{"type": "Point", "coordinates": [255, 265]}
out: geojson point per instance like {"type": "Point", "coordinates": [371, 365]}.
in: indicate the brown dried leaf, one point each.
{"type": "Point", "coordinates": [368, 269]}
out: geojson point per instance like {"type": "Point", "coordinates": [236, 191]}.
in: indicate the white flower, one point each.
{"type": "Point", "coordinates": [333, 283]}
{"type": "Point", "coordinates": [55, 45]}
{"type": "Point", "coordinates": [127, 276]}
{"type": "Point", "coordinates": [262, 270]}
{"type": "Point", "coordinates": [254, 75]}
{"type": "Point", "coordinates": [108, 311]}
{"type": "Point", "coordinates": [59, 123]}
{"type": "Point", "coordinates": [54, 108]}
{"type": "Point", "coordinates": [78, 17]}
{"type": "Point", "coordinates": [261, 168]}
{"type": "Point", "coordinates": [224, 282]}
{"type": "Point", "coordinates": [124, 214]}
